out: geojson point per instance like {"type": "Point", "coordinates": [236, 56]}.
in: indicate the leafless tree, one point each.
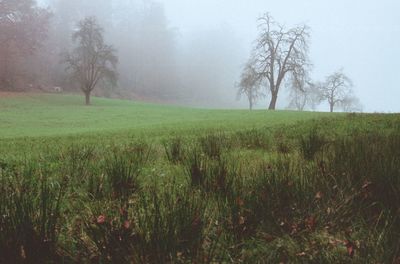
{"type": "Point", "coordinates": [250, 85]}
{"type": "Point", "coordinates": [351, 104]}
{"type": "Point", "coordinates": [298, 99]}
{"type": "Point", "coordinates": [337, 89]}
{"type": "Point", "coordinates": [280, 52]}
{"type": "Point", "coordinates": [298, 91]}
{"type": "Point", "coordinates": [303, 93]}
{"type": "Point", "coordinates": [92, 60]}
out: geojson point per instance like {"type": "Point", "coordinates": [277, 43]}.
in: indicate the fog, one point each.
{"type": "Point", "coordinates": [192, 52]}
{"type": "Point", "coordinates": [360, 36]}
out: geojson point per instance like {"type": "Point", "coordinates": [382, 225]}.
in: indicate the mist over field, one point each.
{"type": "Point", "coordinates": [199, 131]}
{"type": "Point", "coordinates": [192, 52]}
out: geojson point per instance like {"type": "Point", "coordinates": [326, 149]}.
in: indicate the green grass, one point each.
{"type": "Point", "coordinates": [55, 115]}
{"type": "Point", "coordinates": [30, 122]}
{"type": "Point", "coordinates": [158, 184]}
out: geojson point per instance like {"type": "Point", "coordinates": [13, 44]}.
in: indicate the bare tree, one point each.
{"type": "Point", "coordinates": [280, 52]}
{"type": "Point", "coordinates": [298, 91]}
{"type": "Point", "coordinates": [337, 89]}
{"type": "Point", "coordinates": [303, 93]}
{"type": "Point", "coordinates": [298, 99]}
{"type": "Point", "coordinates": [250, 85]}
{"type": "Point", "coordinates": [92, 60]}
{"type": "Point", "coordinates": [351, 104]}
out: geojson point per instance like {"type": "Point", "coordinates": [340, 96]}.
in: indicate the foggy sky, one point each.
{"type": "Point", "coordinates": [361, 36]}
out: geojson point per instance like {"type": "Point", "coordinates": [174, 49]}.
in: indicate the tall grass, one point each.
{"type": "Point", "coordinates": [311, 143]}
{"type": "Point", "coordinates": [122, 169]}
{"type": "Point", "coordinates": [326, 192]}
{"type": "Point", "coordinates": [30, 215]}
{"type": "Point", "coordinates": [163, 226]}
{"type": "Point", "coordinates": [175, 149]}
{"type": "Point", "coordinates": [213, 145]}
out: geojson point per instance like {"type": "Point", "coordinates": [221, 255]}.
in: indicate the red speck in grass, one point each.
{"type": "Point", "coordinates": [239, 201]}
{"type": "Point", "coordinates": [350, 248]}
{"type": "Point", "coordinates": [101, 219]}
{"type": "Point", "coordinates": [127, 224]}
{"type": "Point", "coordinates": [310, 222]}
{"type": "Point", "coordinates": [123, 212]}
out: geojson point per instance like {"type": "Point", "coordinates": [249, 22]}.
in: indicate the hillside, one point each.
{"type": "Point", "coordinates": [120, 181]}
{"type": "Point", "coordinates": [36, 115]}
{"type": "Point", "coordinates": [31, 122]}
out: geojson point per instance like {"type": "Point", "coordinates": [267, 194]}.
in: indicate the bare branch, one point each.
{"type": "Point", "coordinates": [92, 60]}
{"type": "Point", "coordinates": [279, 52]}
{"type": "Point", "coordinates": [250, 85]}
{"type": "Point", "coordinates": [337, 90]}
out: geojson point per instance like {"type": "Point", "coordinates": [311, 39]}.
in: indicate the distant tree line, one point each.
{"type": "Point", "coordinates": [280, 59]}
{"type": "Point", "coordinates": [23, 27]}
{"type": "Point", "coordinates": [25, 30]}
{"type": "Point", "coordinates": [151, 65]}
{"type": "Point", "coordinates": [77, 44]}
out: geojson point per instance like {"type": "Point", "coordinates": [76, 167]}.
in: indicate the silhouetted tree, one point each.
{"type": "Point", "coordinates": [298, 99]}
{"type": "Point", "coordinates": [280, 52]}
{"type": "Point", "coordinates": [250, 85]}
{"type": "Point", "coordinates": [92, 60]}
{"type": "Point", "coordinates": [337, 90]}
{"type": "Point", "coordinates": [303, 93]}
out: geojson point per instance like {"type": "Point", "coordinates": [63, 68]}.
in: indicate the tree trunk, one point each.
{"type": "Point", "coordinates": [331, 107]}
{"type": "Point", "coordinates": [272, 104]}
{"type": "Point", "coordinates": [5, 74]}
{"type": "Point", "coordinates": [87, 98]}
{"type": "Point", "coordinates": [251, 104]}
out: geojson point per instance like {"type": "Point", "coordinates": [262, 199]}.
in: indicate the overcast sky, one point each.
{"type": "Point", "coordinates": [362, 36]}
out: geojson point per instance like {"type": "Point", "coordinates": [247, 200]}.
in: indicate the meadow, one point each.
{"type": "Point", "coordinates": [31, 122]}
{"type": "Point", "coordinates": [128, 182]}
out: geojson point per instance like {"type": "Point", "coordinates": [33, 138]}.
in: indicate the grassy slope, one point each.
{"type": "Point", "coordinates": [26, 122]}
{"type": "Point", "coordinates": [322, 191]}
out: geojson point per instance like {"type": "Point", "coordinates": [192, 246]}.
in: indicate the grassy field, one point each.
{"type": "Point", "coordinates": [126, 182]}
{"type": "Point", "coordinates": [30, 123]}
{"type": "Point", "coordinates": [54, 115]}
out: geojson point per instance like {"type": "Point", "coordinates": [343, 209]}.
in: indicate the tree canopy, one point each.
{"type": "Point", "coordinates": [23, 28]}
{"type": "Point", "coordinates": [92, 60]}
{"type": "Point", "coordinates": [250, 85]}
{"type": "Point", "coordinates": [337, 89]}
{"type": "Point", "coordinates": [280, 52]}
